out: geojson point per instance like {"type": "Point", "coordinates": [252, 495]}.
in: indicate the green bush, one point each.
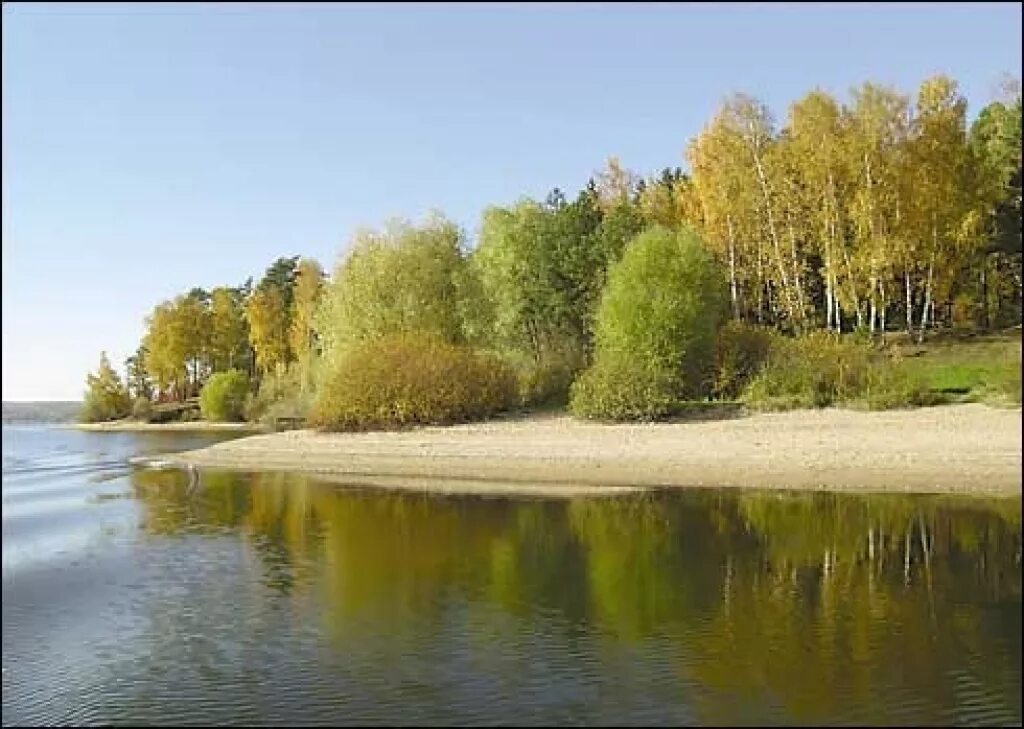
{"type": "Point", "coordinates": [142, 409]}
{"type": "Point", "coordinates": [618, 390]}
{"type": "Point", "coordinates": [223, 396]}
{"type": "Point", "coordinates": [888, 386]}
{"type": "Point", "coordinates": [742, 350]}
{"type": "Point", "coordinates": [545, 383]}
{"type": "Point", "coordinates": [656, 329]}
{"type": "Point", "coordinates": [819, 370]}
{"type": "Point", "coordinates": [815, 370]}
{"type": "Point", "coordinates": [408, 379]}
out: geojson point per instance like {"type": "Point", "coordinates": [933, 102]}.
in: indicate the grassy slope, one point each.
{"type": "Point", "coordinates": [965, 368]}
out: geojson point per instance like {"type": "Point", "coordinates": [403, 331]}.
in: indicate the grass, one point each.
{"type": "Point", "coordinates": [967, 368]}
{"type": "Point", "coordinates": [951, 366]}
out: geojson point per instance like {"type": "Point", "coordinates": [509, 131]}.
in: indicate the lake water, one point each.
{"type": "Point", "coordinates": [129, 597]}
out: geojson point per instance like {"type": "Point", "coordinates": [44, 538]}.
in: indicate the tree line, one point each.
{"type": "Point", "coordinates": [867, 215]}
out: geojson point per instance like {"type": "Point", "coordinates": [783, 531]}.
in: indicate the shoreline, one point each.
{"type": "Point", "coordinates": [196, 426]}
{"type": "Point", "coordinates": [966, 449]}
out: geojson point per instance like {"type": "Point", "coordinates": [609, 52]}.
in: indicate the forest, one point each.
{"type": "Point", "coordinates": [792, 262]}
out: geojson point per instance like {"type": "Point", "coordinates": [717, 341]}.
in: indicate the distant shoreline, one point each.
{"type": "Point", "coordinates": [199, 425]}
{"type": "Point", "coordinates": [954, 449]}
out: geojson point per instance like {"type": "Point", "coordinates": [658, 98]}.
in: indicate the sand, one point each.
{"type": "Point", "coordinates": [965, 449]}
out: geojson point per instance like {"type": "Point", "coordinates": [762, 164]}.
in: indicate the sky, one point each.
{"type": "Point", "coordinates": [148, 149]}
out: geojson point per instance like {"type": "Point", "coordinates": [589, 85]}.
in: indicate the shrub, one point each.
{"type": "Point", "coordinates": [545, 383]}
{"type": "Point", "coordinates": [818, 370]}
{"type": "Point", "coordinates": [142, 409]}
{"type": "Point", "coordinates": [408, 379]}
{"type": "Point", "coordinates": [888, 386]}
{"type": "Point", "coordinates": [742, 350]}
{"type": "Point", "coordinates": [614, 389]}
{"type": "Point", "coordinates": [815, 370]}
{"type": "Point", "coordinates": [223, 396]}
{"type": "Point", "coordinates": [656, 328]}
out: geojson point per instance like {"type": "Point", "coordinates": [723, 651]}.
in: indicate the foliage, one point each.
{"type": "Point", "coordinates": [819, 370]}
{"type": "Point", "coordinates": [281, 395]}
{"type": "Point", "coordinates": [406, 379]}
{"type": "Point", "coordinates": [309, 284]}
{"type": "Point", "coordinates": [658, 318]}
{"type": "Point", "coordinates": [656, 329]}
{"type": "Point", "coordinates": [538, 273]}
{"type": "Point", "coordinates": [106, 397]}
{"type": "Point", "coordinates": [848, 215]}
{"type": "Point", "coordinates": [995, 140]}
{"type": "Point", "coordinates": [852, 213]}
{"type": "Point", "coordinates": [138, 381]}
{"type": "Point", "coordinates": [401, 279]}
{"type": "Point", "coordinates": [888, 386]}
{"type": "Point", "coordinates": [546, 383]}
{"type": "Point", "coordinates": [142, 409]}
{"type": "Point", "coordinates": [618, 389]}
{"type": "Point", "coordinates": [229, 330]}
{"type": "Point", "coordinates": [816, 370]}
{"type": "Point", "coordinates": [223, 396]}
{"type": "Point", "coordinates": [269, 322]}
{"type": "Point", "coordinates": [269, 313]}
{"type": "Point", "coordinates": [740, 352]}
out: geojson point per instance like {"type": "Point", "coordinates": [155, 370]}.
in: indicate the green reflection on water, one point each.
{"type": "Point", "coordinates": [826, 605]}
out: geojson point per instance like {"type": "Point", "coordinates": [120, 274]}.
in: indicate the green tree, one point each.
{"type": "Point", "coordinates": [228, 330]}
{"type": "Point", "coordinates": [656, 328]}
{"type": "Point", "coordinates": [138, 380]}
{"type": "Point", "coordinates": [309, 285]}
{"type": "Point", "coordinates": [402, 279]}
{"type": "Point", "coordinates": [223, 396]}
{"type": "Point", "coordinates": [540, 267]}
{"type": "Point", "coordinates": [281, 275]}
{"type": "Point", "coordinates": [995, 141]}
{"type": "Point", "coordinates": [106, 397]}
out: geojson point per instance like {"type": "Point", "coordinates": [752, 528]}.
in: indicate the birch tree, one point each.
{"type": "Point", "coordinates": [944, 217]}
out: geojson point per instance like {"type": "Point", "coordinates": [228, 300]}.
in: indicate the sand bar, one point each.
{"type": "Point", "coordinates": [966, 449]}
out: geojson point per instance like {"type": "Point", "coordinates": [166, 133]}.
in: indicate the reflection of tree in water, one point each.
{"type": "Point", "coordinates": [816, 603]}
{"type": "Point", "coordinates": [269, 508]}
{"type": "Point", "coordinates": [867, 594]}
{"type": "Point", "coordinates": [220, 502]}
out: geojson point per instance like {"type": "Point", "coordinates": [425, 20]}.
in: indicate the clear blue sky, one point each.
{"type": "Point", "coordinates": [148, 149]}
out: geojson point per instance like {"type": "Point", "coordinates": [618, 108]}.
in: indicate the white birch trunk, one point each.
{"type": "Point", "coordinates": [732, 271]}
{"type": "Point", "coordinates": [910, 303]}
{"type": "Point", "coordinates": [828, 300]}
{"type": "Point", "coordinates": [881, 310]}
{"type": "Point", "coordinates": [773, 232]}
{"type": "Point", "coordinates": [927, 299]}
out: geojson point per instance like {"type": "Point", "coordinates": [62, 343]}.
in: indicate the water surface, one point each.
{"type": "Point", "coordinates": [129, 597]}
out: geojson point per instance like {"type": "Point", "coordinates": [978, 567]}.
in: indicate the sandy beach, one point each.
{"type": "Point", "coordinates": [966, 449]}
